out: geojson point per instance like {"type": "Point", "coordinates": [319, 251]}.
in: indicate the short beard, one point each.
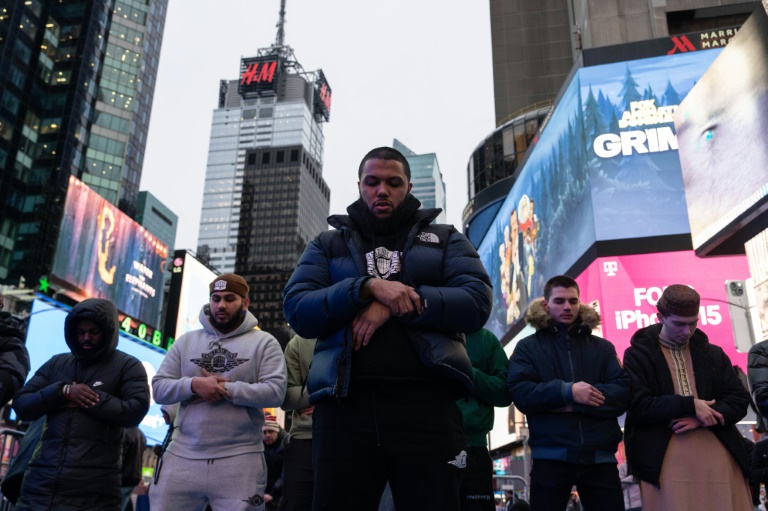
{"type": "Point", "coordinates": [230, 325]}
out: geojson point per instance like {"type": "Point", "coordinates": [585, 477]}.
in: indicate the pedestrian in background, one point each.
{"type": "Point", "coordinates": [298, 475]}
{"type": "Point", "coordinates": [274, 450]}
{"type": "Point", "coordinates": [14, 358]}
{"type": "Point", "coordinates": [489, 363]}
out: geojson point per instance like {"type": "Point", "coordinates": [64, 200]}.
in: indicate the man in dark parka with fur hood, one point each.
{"type": "Point", "coordinates": [88, 396]}
{"type": "Point", "coordinates": [571, 386]}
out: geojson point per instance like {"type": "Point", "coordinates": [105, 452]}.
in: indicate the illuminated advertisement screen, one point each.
{"type": "Point", "coordinates": [605, 168]}
{"type": "Point", "coordinates": [322, 97]}
{"type": "Point", "coordinates": [102, 253]}
{"type": "Point", "coordinates": [625, 290]}
{"type": "Point", "coordinates": [45, 338]}
{"type": "Point", "coordinates": [722, 132]}
{"type": "Point", "coordinates": [258, 74]}
{"type": "Point", "coordinates": [190, 280]}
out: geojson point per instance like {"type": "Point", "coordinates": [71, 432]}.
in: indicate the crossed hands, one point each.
{"type": "Point", "coordinates": [80, 394]}
{"type": "Point", "coordinates": [586, 394]}
{"type": "Point", "coordinates": [210, 388]}
{"type": "Point", "coordinates": [705, 416]}
{"type": "Point", "coordinates": [390, 298]}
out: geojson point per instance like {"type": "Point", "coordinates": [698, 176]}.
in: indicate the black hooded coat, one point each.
{"type": "Point", "coordinates": [77, 463]}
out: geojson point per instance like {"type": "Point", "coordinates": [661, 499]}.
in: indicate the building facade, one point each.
{"type": "Point", "coordinates": [76, 86]}
{"type": "Point", "coordinates": [535, 44]}
{"type": "Point", "coordinates": [157, 218]}
{"type": "Point", "coordinates": [265, 198]}
{"type": "Point", "coordinates": [426, 178]}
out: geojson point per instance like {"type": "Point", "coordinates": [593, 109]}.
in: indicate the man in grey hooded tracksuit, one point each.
{"type": "Point", "coordinates": [222, 376]}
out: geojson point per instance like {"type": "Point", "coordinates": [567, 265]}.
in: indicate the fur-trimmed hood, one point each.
{"type": "Point", "coordinates": [538, 317]}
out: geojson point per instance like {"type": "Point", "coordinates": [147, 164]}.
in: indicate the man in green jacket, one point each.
{"type": "Point", "coordinates": [489, 364]}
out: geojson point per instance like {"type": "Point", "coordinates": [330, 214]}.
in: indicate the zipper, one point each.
{"type": "Point", "coordinates": [573, 379]}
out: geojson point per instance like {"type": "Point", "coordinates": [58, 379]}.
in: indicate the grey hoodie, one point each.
{"type": "Point", "coordinates": [254, 362]}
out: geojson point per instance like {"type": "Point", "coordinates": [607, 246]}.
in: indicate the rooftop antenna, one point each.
{"type": "Point", "coordinates": [281, 26]}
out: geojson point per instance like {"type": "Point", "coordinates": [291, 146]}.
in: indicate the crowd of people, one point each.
{"type": "Point", "coordinates": [391, 384]}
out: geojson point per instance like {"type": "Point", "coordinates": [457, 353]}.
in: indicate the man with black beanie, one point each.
{"type": "Point", "coordinates": [388, 295]}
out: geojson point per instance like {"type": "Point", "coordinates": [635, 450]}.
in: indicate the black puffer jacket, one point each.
{"type": "Point", "coordinates": [654, 402]}
{"type": "Point", "coordinates": [542, 371]}
{"type": "Point", "coordinates": [322, 297]}
{"type": "Point", "coordinates": [14, 359]}
{"type": "Point", "coordinates": [77, 465]}
{"type": "Point", "coordinates": [757, 370]}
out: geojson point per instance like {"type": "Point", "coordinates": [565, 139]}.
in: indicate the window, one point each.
{"type": "Point", "coordinates": [265, 158]}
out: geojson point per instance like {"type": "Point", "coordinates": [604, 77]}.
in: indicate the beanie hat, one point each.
{"type": "Point", "coordinates": [679, 300]}
{"type": "Point", "coordinates": [230, 282]}
{"type": "Point", "coordinates": [270, 423]}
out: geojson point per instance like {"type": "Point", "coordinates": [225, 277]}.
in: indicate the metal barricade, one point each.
{"type": "Point", "coordinates": [9, 440]}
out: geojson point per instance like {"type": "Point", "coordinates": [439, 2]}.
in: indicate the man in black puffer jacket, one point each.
{"type": "Point", "coordinates": [571, 387]}
{"type": "Point", "coordinates": [387, 295]}
{"type": "Point", "coordinates": [88, 396]}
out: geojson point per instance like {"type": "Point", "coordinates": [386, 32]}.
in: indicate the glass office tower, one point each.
{"type": "Point", "coordinates": [76, 86]}
{"type": "Point", "coordinates": [265, 198]}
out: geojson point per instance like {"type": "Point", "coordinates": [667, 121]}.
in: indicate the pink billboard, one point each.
{"type": "Point", "coordinates": [626, 288]}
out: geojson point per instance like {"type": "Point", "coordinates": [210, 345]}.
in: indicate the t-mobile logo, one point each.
{"type": "Point", "coordinates": [610, 268]}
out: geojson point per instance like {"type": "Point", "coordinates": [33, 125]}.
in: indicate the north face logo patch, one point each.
{"type": "Point", "coordinates": [428, 237]}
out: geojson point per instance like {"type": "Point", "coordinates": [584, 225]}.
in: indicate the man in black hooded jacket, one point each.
{"type": "Point", "coordinates": [88, 396]}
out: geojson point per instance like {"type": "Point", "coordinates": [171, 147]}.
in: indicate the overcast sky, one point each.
{"type": "Point", "coordinates": [416, 70]}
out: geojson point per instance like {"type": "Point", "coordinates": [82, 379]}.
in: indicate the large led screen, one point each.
{"type": "Point", "coordinates": [45, 338]}
{"type": "Point", "coordinates": [604, 168]}
{"type": "Point", "coordinates": [625, 290]}
{"type": "Point", "coordinates": [102, 253]}
{"type": "Point", "coordinates": [723, 128]}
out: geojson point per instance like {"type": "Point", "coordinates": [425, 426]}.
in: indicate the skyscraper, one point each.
{"type": "Point", "coordinates": [155, 217]}
{"type": "Point", "coordinates": [76, 86]}
{"type": "Point", "coordinates": [426, 178]}
{"type": "Point", "coordinates": [265, 197]}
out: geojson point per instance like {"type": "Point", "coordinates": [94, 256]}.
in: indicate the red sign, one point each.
{"type": "Point", "coordinates": [259, 72]}
{"type": "Point", "coordinates": [681, 44]}
{"type": "Point", "coordinates": [325, 96]}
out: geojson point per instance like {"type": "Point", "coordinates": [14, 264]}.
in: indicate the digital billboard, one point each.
{"type": "Point", "coordinates": [322, 98]}
{"type": "Point", "coordinates": [190, 280]}
{"type": "Point", "coordinates": [102, 253]}
{"type": "Point", "coordinates": [605, 169]}
{"type": "Point", "coordinates": [625, 290]}
{"type": "Point", "coordinates": [45, 338]}
{"type": "Point", "coordinates": [722, 130]}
